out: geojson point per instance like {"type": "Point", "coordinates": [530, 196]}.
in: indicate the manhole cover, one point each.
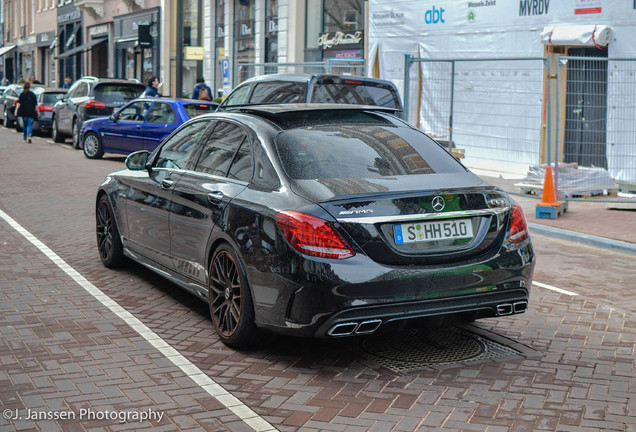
{"type": "Point", "coordinates": [417, 348]}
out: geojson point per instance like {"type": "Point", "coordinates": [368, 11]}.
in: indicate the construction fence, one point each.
{"type": "Point", "coordinates": [512, 117]}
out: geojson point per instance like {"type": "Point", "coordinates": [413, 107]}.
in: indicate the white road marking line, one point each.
{"type": "Point", "coordinates": [242, 411]}
{"type": "Point", "coordinates": [553, 288]}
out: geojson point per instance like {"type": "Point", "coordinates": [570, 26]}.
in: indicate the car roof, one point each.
{"type": "Point", "coordinates": [53, 90]}
{"type": "Point", "coordinates": [288, 116]}
{"type": "Point", "coordinates": [179, 100]}
{"type": "Point", "coordinates": [306, 77]}
{"type": "Point", "coordinates": [273, 109]}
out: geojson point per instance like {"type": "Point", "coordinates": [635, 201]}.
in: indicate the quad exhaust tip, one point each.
{"type": "Point", "coordinates": [354, 328]}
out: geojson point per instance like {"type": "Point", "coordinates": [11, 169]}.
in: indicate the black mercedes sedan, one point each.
{"type": "Point", "coordinates": [317, 220]}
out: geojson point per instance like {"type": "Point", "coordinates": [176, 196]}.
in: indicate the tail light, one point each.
{"type": "Point", "coordinates": [94, 104]}
{"type": "Point", "coordinates": [313, 236]}
{"type": "Point", "coordinates": [518, 226]}
{"type": "Point", "coordinates": [42, 108]}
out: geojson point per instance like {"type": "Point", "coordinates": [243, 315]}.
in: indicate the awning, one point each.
{"type": "Point", "coordinates": [6, 49]}
{"type": "Point", "coordinates": [577, 35]}
{"type": "Point", "coordinates": [82, 48]}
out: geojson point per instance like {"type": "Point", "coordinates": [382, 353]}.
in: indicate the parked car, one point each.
{"type": "Point", "coordinates": [47, 98]}
{"type": "Point", "coordinates": [7, 103]}
{"type": "Point", "coordinates": [315, 88]}
{"type": "Point", "coordinates": [140, 124]}
{"type": "Point", "coordinates": [88, 98]}
{"type": "Point", "coordinates": [317, 220]}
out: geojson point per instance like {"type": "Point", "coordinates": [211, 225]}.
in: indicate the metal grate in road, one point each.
{"type": "Point", "coordinates": [418, 348]}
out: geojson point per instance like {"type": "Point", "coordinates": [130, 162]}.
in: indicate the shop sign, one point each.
{"type": "Point", "coordinates": [44, 39]}
{"type": "Point", "coordinates": [72, 16]}
{"type": "Point", "coordinates": [194, 53]}
{"type": "Point", "coordinates": [245, 28]}
{"type": "Point", "coordinates": [340, 40]}
{"type": "Point", "coordinates": [272, 25]}
{"type": "Point", "coordinates": [98, 31]}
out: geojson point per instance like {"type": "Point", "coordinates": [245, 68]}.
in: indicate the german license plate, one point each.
{"type": "Point", "coordinates": [433, 230]}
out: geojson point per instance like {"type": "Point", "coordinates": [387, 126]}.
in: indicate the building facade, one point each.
{"type": "Point", "coordinates": [178, 41]}
{"type": "Point", "coordinates": [53, 39]}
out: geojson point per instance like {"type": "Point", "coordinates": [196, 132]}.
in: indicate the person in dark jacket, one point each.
{"type": "Point", "coordinates": [153, 84]}
{"type": "Point", "coordinates": [26, 107]}
{"type": "Point", "coordinates": [196, 92]}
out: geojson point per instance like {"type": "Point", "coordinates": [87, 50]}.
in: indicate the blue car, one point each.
{"type": "Point", "coordinates": [139, 125]}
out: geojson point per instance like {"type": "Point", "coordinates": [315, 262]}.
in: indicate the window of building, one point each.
{"type": "Point", "coordinates": [244, 36]}
{"type": "Point", "coordinates": [271, 31]}
{"type": "Point", "coordinates": [219, 40]}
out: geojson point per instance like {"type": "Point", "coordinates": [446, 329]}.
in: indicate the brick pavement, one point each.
{"type": "Point", "coordinates": [58, 348]}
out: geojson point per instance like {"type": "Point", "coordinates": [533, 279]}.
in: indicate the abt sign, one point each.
{"type": "Point", "coordinates": [434, 16]}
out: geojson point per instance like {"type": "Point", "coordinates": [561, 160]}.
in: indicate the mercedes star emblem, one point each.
{"type": "Point", "coordinates": [438, 203]}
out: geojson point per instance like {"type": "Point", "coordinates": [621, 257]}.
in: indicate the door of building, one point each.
{"type": "Point", "coordinates": [586, 108]}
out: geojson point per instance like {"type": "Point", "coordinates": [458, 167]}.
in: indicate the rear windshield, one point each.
{"type": "Point", "coordinates": [353, 92]}
{"type": "Point", "coordinates": [193, 110]}
{"type": "Point", "coordinates": [360, 151]}
{"type": "Point", "coordinates": [278, 92]}
{"type": "Point", "coordinates": [51, 98]}
{"type": "Point", "coordinates": [114, 93]}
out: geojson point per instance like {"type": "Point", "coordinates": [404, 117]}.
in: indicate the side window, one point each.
{"type": "Point", "coordinates": [177, 150]}
{"type": "Point", "coordinates": [135, 112]}
{"type": "Point", "coordinates": [278, 92]}
{"type": "Point", "coordinates": [219, 150]}
{"type": "Point", "coordinates": [81, 90]}
{"type": "Point", "coordinates": [265, 177]}
{"type": "Point", "coordinates": [241, 168]}
{"type": "Point", "coordinates": [161, 113]}
{"type": "Point", "coordinates": [238, 97]}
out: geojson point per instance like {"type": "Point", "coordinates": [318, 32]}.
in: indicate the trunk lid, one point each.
{"type": "Point", "coordinates": [430, 219]}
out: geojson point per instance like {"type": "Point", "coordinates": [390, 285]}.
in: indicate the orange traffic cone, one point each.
{"type": "Point", "coordinates": [549, 207]}
{"type": "Point", "coordinates": [548, 197]}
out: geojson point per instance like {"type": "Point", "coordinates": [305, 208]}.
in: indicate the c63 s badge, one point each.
{"type": "Point", "coordinates": [355, 212]}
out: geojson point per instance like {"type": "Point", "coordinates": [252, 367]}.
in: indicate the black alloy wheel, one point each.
{"type": "Point", "coordinates": [108, 241]}
{"type": "Point", "coordinates": [92, 146]}
{"type": "Point", "coordinates": [230, 300]}
{"type": "Point", "coordinates": [5, 121]}
{"type": "Point", "coordinates": [76, 132]}
{"type": "Point", "coordinates": [55, 133]}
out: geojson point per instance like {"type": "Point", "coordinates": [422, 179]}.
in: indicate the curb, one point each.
{"type": "Point", "coordinates": [590, 240]}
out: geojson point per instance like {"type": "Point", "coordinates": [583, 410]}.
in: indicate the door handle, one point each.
{"type": "Point", "coordinates": [167, 183]}
{"type": "Point", "coordinates": [215, 197]}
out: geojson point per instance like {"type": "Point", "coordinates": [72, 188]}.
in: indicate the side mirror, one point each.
{"type": "Point", "coordinates": [113, 117]}
{"type": "Point", "coordinates": [137, 161]}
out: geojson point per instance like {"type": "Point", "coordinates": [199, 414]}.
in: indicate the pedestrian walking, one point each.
{"type": "Point", "coordinates": [201, 90]}
{"type": "Point", "coordinates": [25, 107]}
{"type": "Point", "coordinates": [153, 85]}
{"type": "Point", "coordinates": [67, 83]}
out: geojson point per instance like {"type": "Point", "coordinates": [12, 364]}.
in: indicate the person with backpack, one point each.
{"type": "Point", "coordinates": [26, 107]}
{"type": "Point", "coordinates": [151, 90]}
{"type": "Point", "coordinates": [201, 91]}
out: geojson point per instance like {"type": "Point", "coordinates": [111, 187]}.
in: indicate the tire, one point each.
{"type": "Point", "coordinates": [75, 131]}
{"type": "Point", "coordinates": [109, 246]}
{"type": "Point", "coordinates": [55, 133]}
{"type": "Point", "coordinates": [18, 128]}
{"type": "Point", "coordinates": [5, 121]}
{"type": "Point", "coordinates": [92, 146]}
{"type": "Point", "coordinates": [230, 300]}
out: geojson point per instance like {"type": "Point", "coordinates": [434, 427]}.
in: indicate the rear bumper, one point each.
{"type": "Point", "coordinates": [358, 296]}
{"type": "Point", "coordinates": [356, 321]}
